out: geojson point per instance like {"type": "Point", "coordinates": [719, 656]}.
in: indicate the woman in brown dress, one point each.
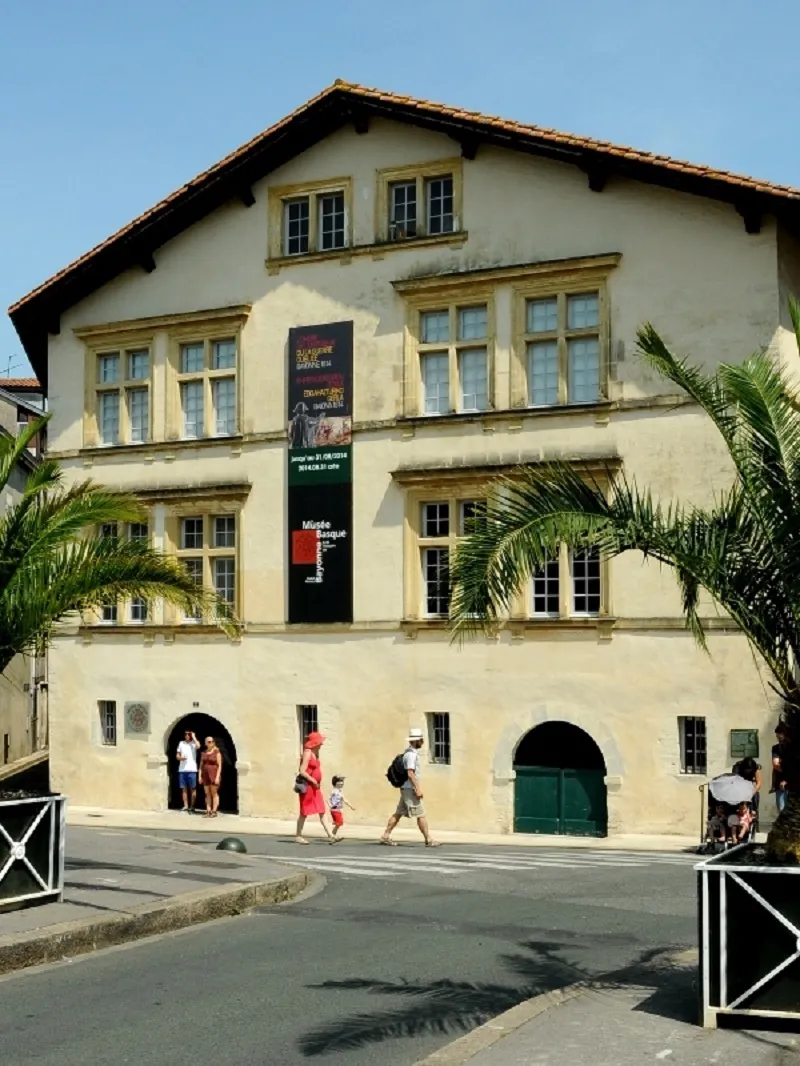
{"type": "Point", "coordinates": [211, 775]}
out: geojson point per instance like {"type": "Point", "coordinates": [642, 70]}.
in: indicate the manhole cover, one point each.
{"type": "Point", "coordinates": [215, 865]}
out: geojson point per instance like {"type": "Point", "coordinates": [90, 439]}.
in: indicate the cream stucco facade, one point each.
{"type": "Point", "coordinates": [526, 228]}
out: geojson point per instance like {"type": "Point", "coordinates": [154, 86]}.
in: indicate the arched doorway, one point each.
{"type": "Point", "coordinates": [203, 725]}
{"type": "Point", "coordinates": [560, 782]}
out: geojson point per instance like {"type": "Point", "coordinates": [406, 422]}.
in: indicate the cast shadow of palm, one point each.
{"type": "Point", "coordinates": [448, 1007]}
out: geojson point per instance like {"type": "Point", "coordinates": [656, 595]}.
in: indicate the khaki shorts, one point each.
{"type": "Point", "coordinates": [408, 806]}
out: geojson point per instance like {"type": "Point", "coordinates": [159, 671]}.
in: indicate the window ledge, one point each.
{"type": "Point", "coordinates": [602, 626]}
{"type": "Point", "coordinates": [376, 250]}
{"type": "Point", "coordinates": [149, 630]}
{"type": "Point", "coordinates": [511, 414]}
{"type": "Point", "coordinates": [152, 446]}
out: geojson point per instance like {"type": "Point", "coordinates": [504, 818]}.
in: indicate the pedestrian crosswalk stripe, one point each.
{"type": "Point", "coordinates": [342, 867]}
{"type": "Point", "coordinates": [396, 863]}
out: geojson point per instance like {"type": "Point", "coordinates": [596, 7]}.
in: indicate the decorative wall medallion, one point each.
{"type": "Point", "coordinates": [137, 718]}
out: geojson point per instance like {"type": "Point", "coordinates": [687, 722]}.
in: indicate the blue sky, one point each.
{"type": "Point", "coordinates": [105, 107]}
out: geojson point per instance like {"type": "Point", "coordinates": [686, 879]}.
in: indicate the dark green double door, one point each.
{"type": "Point", "coordinates": [568, 802]}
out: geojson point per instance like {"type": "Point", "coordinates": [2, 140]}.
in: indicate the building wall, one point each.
{"type": "Point", "coordinates": [686, 265]}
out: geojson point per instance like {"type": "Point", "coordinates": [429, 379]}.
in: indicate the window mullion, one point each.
{"type": "Point", "coordinates": [452, 362]}
{"type": "Point", "coordinates": [313, 218]}
{"type": "Point", "coordinates": [422, 208]}
{"type": "Point", "coordinates": [563, 383]}
{"type": "Point", "coordinates": [564, 582]}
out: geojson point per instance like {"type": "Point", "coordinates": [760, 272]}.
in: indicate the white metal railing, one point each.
{"type": "Point", "coordinates": [46, 871]}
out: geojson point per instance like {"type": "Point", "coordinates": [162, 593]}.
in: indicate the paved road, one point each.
{"type": "Point", "coordinates": [402, 951]}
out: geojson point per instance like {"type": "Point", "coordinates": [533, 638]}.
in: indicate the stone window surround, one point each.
{"type": "Point", "coordinates": [454, 485]}
{"type": "Point", "coordinates": [162, 335]}
{"type": "Point", "coordinates": [420, 173]}
{"type": "Point", "coordinates": [164, 508]}
{"type": "Point", "coordinates": [279, 195]}
{"type": "Point", "coordinates": [495, 287]}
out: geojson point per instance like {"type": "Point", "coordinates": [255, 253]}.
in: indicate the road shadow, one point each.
{"type": "Point", "coordinates": [452, 1008]}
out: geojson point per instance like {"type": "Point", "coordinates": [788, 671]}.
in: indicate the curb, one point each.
{"type": "Point", "coordinates": [56, 942]}
{"type": "Point", "coordinates": [468, 1046]}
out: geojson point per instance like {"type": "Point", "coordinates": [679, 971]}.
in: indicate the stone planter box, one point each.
{"type": "Point", "coordinates": [32, 830]}
{"type": "Point", "coordinates": [749, 919]}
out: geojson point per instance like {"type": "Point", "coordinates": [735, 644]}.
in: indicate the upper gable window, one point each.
{"type": "Point", "coordinates": [423, 200]}
{"type": "Point", "coordinates": [309, 219]}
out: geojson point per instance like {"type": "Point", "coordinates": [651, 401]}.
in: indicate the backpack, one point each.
{"type": "Point", "coordinates": [397, 775]}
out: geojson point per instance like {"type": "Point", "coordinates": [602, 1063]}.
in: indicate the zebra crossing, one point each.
{"type": "Point", "coordinates": [403, 861]}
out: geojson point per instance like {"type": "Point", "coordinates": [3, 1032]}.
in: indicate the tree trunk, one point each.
{"type": "Point", "coordinates": [783, 842]}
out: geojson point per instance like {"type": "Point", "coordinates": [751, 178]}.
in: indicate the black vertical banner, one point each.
{"type": "Point", "coordinates": [320, 411]}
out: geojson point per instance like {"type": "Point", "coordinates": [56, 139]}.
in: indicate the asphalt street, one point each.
{"type": "Point", "coordinates": [402, 951]}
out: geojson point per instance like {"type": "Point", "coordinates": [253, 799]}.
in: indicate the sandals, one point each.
{"type": "Point", "coordinates": [433, 843]}
{"type": "Point", "coordinates": [300, 840]}
{"type": "Point", "coordinates": [387, 842]}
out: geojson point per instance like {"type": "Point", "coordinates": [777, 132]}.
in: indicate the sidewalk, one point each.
{"type": "Point", "coordinates": [239, 825]}
{"type": "Point", "coordinates": [611, 1027]}
{"type": "Point", "coordinates": [121, 886]}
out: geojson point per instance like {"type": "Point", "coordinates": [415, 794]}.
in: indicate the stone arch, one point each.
{"type": "Point", "coordinates": [586, 720]}
{"type": "Point", "coordinates": [203, 725]}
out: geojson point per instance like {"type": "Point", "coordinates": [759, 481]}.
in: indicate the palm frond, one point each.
{"type": "Point", "coordinates": [743, 549]}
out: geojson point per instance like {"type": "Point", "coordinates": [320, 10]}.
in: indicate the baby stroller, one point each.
{"type": "Point", "coordinates": [729, 799]}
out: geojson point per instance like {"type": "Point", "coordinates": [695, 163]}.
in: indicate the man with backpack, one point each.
{"type": "Point", "coordinates": [404, 773]}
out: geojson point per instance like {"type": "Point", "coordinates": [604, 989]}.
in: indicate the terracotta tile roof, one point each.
{"type": "Point", "coordinates": [717, 184]}
{"type": "Point", "coordinates": [20, 383]}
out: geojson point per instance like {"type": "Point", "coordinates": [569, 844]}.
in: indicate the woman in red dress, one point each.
{"type": "Point", "coordinates": [312, 801]}
{"type": "Point", "coordinates": [211, 775]}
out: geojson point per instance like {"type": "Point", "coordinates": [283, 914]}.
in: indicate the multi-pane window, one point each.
{"type": "Point", "coordinates": [562, 341]}
{"type": "Point", "coordinates": [692, 737]}
{"type": "Point", "coordinates": [122, 396]}
{"type": "Point", "coordinates": [439, 737]}
{"type": "Point", "coordinates": [315, 223]}
{"type": "Point", "coordinates": [296, 226]}
{"type": "Point", "coordinates": [441, 522]}
{"type": "Point", "coordinates": [331, 222]}
{"type": "Point", "coordinates": [547, 590]}
{"type": "Point", "coordinates": [568, 585]}
{"type": "Point", "coordinates": [454, 359]}
{"type": "Point", "coordinates": [208, 387]}
{"type": "Point", "coordinates": [207, 548]}
{"type": "Point", "coordinates": [421, 202]}
{"type": "Point", "coordinates": [136, 609]}
{"type": "Point", "coordinates": [307, 720]}
{"type": "Point", "coordinates": [439, 204]}
{"type": "Point", "coordinates": [402, 210]}
{"type": "Point", "coordinates": [109, 611]}
{"type": "Point", "coordinates": [108, 722]}
{"type": "Point", "coordinates": [586, 581]}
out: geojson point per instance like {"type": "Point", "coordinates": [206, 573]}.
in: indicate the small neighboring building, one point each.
{"type": "Point", "coordinates": [307, 363]}
{"type": "Point", "coordinates": [23, 684]}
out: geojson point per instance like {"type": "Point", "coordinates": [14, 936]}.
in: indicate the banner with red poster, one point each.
{"type": "Point", "coordinates": [320, 412]}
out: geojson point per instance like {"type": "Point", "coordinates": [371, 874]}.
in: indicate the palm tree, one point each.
{"type": "Point", "coordinates": [54, 562]}
{"type": "Point", "coordinates": [744, 549]}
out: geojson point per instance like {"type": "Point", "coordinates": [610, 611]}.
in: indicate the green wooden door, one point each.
{"type": "Point", "coordinates": [585, 809]}
{"type": "Point", "coordinates": [568, 802]}
{"type": "Point", "coordinates": [537, 801]}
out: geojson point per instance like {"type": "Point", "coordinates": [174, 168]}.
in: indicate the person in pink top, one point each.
{"type": "Point", "coordinates": [312, 800]}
